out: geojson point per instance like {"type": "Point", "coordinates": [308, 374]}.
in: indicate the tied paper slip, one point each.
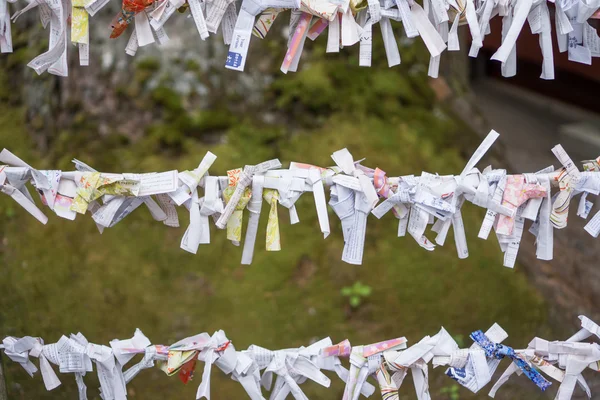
{"type": "Point", "coordinates": [284, 187]}
{"type": "Point", "coordinates": [315, 177]}
{"type": "Point", "coordinates": [93, 185]}
{"type": "Point", "coordinates": [228, 23]}
{"type": "Point", "coordinates": [143, 31]}
{"type": "Point", "coordinates": [80, 29]}
{"type": "Point", "coordinates": [5, 29]}
{"type": "Point", "coordinates": [240, 42]}
{"type": "Point", "coordinates": [418, 202]}
{"type": "Point", "coordinates": [20, 198]}
{"type": "Point", "coordinates": [388, 361]}
{"type": "Point", "coordinates": [236, 200]}
{"type": "Point", "coordinates": [157, 21]}
{"type": "Point", "coordinates": [239, 180]}
{"type": "Point", "coordinates": [348, 23]}
{"type": "Point", "coordinates": [292, 57]}
{"type": "Point", "coordinates": [215, 11]}
{"type": "Point", "coordinates": [155, 183]}
{"type": "Point", "coordinates": [54, 60]}
{"type": "Point", "coordinates": [199, 19]}
{"type": "Point", "coordinates": [265, 21]}
{"type": "Point", "coordinates": [92, 7]}
{"type": "Point", "coordinates": [254, 208]}
{"type": "Point", "coordinates": [568, 179]}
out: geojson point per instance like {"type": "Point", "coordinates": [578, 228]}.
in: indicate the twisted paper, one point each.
{"type": "Point", "coordinates": [348, 22]}
{"type": "Point", "coordinates": [417, 201]}
{"type": "Point", "coordinates": [388, 362]}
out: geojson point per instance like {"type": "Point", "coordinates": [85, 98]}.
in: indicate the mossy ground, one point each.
{"type": "Point", "coordinates": [65, 277]}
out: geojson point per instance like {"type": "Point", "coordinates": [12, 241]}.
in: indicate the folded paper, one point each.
{"type": "Point", "coordinates": [348, 21]}
{"type": "Point", "coordinates": [284, 372]}
{"type": "Point", "coordinates": [356, 191]}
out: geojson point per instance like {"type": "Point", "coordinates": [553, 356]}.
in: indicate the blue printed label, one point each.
{"type": "Point", "coordinates": [234, 60]}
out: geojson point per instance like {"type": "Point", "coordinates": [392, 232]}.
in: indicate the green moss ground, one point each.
{"type": "Point", "coordinates": [66, 277]}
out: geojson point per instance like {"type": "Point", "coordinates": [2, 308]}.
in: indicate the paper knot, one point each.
{"type": "Point", "coordinates": [357, 358]}
{"type": "Point", "coordinates": [380, 181]}
{"type": "Point", "coordinates": [344, 160]}
{"type": "Point", "coordinates": [590, 325]}
{"type": "Point", "coordinates": [239, 183]}
{"type": "Point", "coordinates": [342, 349]}
{"type": "Point", "coordinates": [499, 351]}
{"type": "Point", "coordinates": [273, 239]}
{"type": "Point", "coordinates": [458, 358]}
{"type": "Point", "coordinates": [18, 350]}
{"type": "Point", "coordinates": [7, 189]}
{"type": "Point", "coordinates": [568, 180]}
{"type": "Point", "coordinates": [516, 192]}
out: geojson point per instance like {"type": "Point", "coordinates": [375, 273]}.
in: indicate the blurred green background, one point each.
{"type": "Point", "coordinates": [65, 277]}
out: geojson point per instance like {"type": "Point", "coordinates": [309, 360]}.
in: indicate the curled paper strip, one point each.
{"type": "Point", "coordinates": [387, 362]}
{"type": "Point", "coordinates": [355, 191]}
{"type": "Point", "coordinates": [348, 22]}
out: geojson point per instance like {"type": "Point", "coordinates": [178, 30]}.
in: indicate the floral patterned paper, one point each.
{"type": "Point", "coordinates": [94, 185]}
{"type": "Point", "coordinates": [273, 239]}
{"type": "Point", "coordinates": [265, 21]}
{"type": "Point", "coordinates": [234, 225]}
{"type": "Point", "coordinates": [79, 23]}
{"type": "Point", "coordinates": [516, 192]}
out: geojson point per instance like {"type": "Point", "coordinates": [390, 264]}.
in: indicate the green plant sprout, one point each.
{"type": "Point", "coordinates": [460, 340]}
{"type": "Point", "coordinates": [356, 293]}
{"type": "Point", "coordinates": [451, 391]}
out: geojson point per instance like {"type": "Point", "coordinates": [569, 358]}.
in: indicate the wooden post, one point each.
{"type": "Point", "coordinates": [3, 388]}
